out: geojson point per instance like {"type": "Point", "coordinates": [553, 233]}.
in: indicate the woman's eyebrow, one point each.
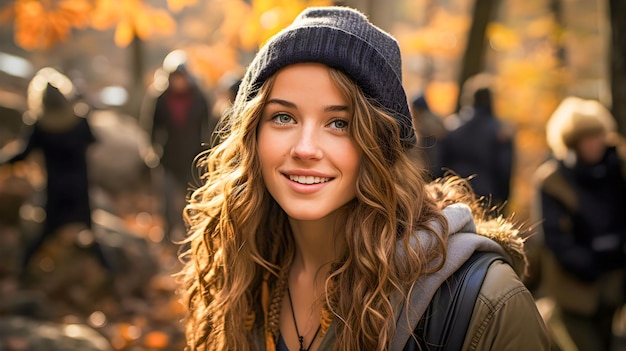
{"type": "Point", "coordinates": [289, 104]}
{"type": "Point", "coordinates": [335, 108]}
{"type": "Point", "coordinates": [281, 102]}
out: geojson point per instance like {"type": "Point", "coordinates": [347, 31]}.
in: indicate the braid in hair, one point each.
{"type": "Point", "coordinates": [327, 308]}
{"type": "Point", "coordinates": [275, 303]}
{"type": "Point", "coordinates": [272, 297]}
{"type": "Point", "coordinates": [249, 322]}
{"type": "Point", "coordinates": [331, 301]}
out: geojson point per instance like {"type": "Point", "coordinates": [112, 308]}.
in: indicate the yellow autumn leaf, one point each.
{"type": "Point", "coordinates": [249, 37]}
{"type": "Point", "coordinates": [151, 21]}
{"type": "Point", "coordinates": [541, 27]}
{"type": "Point", "coordinates": [213, 61]}
{"type": "Point", "coordinates": [249, 25]}
{"type": "Point", "coordinates": [442, 96]}
{"type": "Point", "coordinates": [261, 6]}
{"type": "Point", "coordinates": [124, 33]}
{"type": "Point", "coordinates": [105, 14]}
{"type": "Point", "coordinates": [232, 27]}
{"type": "Point", "coordinates": [76, 12]}
{"type": "Point", "coordinates": [132, 17]}
{"type": "Point", "coordinates": [502, 37]}
{"type": "Point", "coordinates": [162, 22]}
{"type": "Point", "coordinates": [27, 38]}
{"type": "Point", "coordinates": [39, 26]}
{"type": "Point", "coordinates": [142, 25]}
{"type": "Point", "coordinates": [29, 26]}
{"type": "Point", "coordinates": [267, 17]}
{"type": "Point", "coordinates": [57, 26]}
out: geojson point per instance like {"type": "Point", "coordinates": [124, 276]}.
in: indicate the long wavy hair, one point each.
{"type": "Point", "coordinates": [241, 245]}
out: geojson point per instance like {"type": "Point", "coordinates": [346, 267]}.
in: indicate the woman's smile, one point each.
{"type": "Point", "coordinates": [308, 179]}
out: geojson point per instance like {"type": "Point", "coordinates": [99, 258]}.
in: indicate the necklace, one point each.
{"type": "Point", "coordinates": [301, 337]}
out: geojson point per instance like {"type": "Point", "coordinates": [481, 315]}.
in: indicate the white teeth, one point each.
{"type": "Point", "coordinates": [308, 179]}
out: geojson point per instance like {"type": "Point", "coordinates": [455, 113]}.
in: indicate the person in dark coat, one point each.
{"type": "Point", "coordinates": [180, 128]}
{"type": "Point", "coordinates": [430, 131]}
{"type": "Point", "coordinates": [582, 202]}
{"type": "Point", "coordinates": [480, 146]}
{"type": "Point", "coordinates": [63, 137]}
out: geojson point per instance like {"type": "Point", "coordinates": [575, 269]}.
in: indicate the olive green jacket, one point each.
{"type": "Point", "coordinates": [505, 317]}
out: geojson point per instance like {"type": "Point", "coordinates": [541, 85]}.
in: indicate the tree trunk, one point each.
{"type": "Point", "coordinates": [474, 57]}
{"type": "Point", "coordinates": [556, 7]}
{"type": "Point", "coordinates": [617, 13]}
{"type": "Point", "coordinates": [137, 90]}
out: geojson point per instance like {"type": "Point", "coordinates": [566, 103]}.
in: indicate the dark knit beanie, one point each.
{"type": "Point", "coordinates": [344, 39]}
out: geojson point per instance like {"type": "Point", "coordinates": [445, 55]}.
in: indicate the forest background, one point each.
{"type": "Point", "coordinates": [539, 51]}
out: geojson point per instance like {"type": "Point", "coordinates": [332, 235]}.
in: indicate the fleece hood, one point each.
{"type": "Point", "coordinates": [466, 236]}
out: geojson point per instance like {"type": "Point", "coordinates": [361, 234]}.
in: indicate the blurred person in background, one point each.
{"type": "Point", "coordinates": [179, 128]}
{"type": "Point", "coordinates": [226, 93]}
{"type": "Point", "coordinates": [582, 207]}
{"type": "Point", "coordinates": [61, 132]}
{"type": "Point", "coordinates": [478, 144]}
{"type": "Point", "coordinates": [430, 130]}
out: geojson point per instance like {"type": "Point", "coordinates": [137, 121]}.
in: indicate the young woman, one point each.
{"type": "Point", "coordinates": [314, 229]}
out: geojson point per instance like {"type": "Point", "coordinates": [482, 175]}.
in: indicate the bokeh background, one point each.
{"type": "Point", "coordinates": [538, 50]}
{"type": "Point", "coordinates": [115, 51]}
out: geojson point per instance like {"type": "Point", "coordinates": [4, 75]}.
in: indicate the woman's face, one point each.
{"type": "Point", "coordinates": [309, 162]}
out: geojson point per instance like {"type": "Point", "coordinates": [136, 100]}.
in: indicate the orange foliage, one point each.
{"type": "Point", "coordinates": [156, 340]}
{"type": "Point", "coordinates": [441, 96]}
{"type": "Point", "coordinates": [253, 24]}
{"type": "Point", "coordinates": [443, 37]}
{"type": "Point", "coordinates": [213, 61]}
{"type": "Point", "coordinates": [244, 27]}
{"type": "Point", "coordinates": [40, 25]}
{"type": "Point", "coordinates": [131, 17]}
{"type": "Point", "coordinates": [502, 38]}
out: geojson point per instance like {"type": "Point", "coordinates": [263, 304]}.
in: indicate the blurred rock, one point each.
{"type": "Point", "coordinates": [116, 161]}
{"type": "Point", "coordinates": [12, 105]}
{"type": "Point", "coordinates": [10, 251]}
{"type": "Point", "coordinates": [132, 261]}
{"type": "Point", "coordinates": [27, 303]}
{"type": "Point", "coordinates": [23, 334]}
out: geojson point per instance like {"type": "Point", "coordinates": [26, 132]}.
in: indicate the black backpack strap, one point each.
{"type": "Point", "coordinates": [446, 320]}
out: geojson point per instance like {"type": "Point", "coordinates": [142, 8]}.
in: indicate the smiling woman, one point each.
{"type": "Point", "coordinates": [314, 229]}
{"type": "Point", "coordinates": [309, 162]}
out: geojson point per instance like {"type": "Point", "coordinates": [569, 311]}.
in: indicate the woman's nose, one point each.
{"type": "Point", "coordinates": [307, 145]}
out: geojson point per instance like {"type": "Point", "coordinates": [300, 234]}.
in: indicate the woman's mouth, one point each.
{"type": "Point", "coordinates": [308, 179]}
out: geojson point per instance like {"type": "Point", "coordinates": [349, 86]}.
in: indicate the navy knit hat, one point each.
{"type": "Point", "coordinates": [344, 39]}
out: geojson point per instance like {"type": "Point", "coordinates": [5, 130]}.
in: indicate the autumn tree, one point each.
{"type": "Point", "coordinates": [473, 60]}
{"type": "Point", "coordinates": [43, 24]}
{"type": "Point", "coordinates": [238, 28]}
{"type": "Point", "coordinates": [617, 13]}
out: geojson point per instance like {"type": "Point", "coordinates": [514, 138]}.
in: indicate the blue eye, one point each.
{"type": "Point", "coordinates": [339, 124]}
{"type": "Point", "coordinates": [282, 118]}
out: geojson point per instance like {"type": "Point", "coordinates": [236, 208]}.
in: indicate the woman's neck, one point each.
{"type": "Point", "coordinates": [317, 244]}
{"type": "Point", "coordinates": [315, 248]}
